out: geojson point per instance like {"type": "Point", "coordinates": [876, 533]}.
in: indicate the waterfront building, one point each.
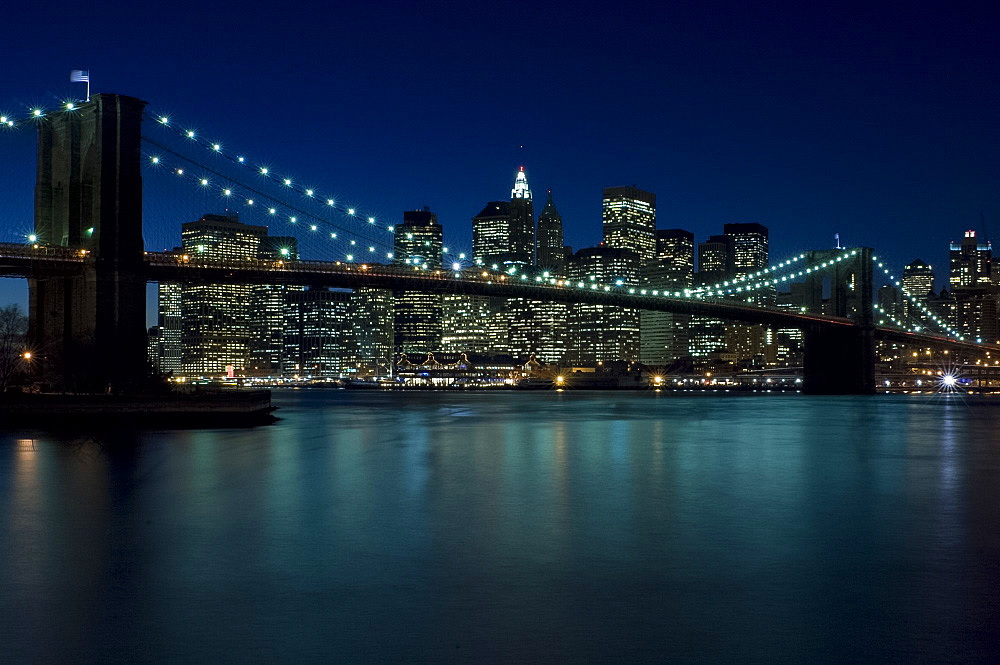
{"type": "Point", "coordinates": [215, 335]}
{"type": "Point", "coordinates": [370, 313]}
{"type": "Point", "coordinates": [550, 252]}
{"type": "Point", "coordinates": [169, 325]}
{"type": "Point", "coordinates": [267, 310]}
{"type": "Point", "coordinates": [417, 316]}
{"type": "Point", "coordinates": [537, 328]}
{"type": "Point", "coordinates": [153, 345]}
{"type": "Point", "coordinates": [629, 217]}
{"type": "Point", "coordinates": [603, 333]}
{"type": "Point", "coordinates": [317, 334]}
{"type": "Point", "coordinates": [465, 369]}
{"type": "Point", "coordinates": [664, 335]}
{"type": "Point", "coordinates": [465, 322]}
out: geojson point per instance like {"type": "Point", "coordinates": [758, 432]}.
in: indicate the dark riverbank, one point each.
{"type": "Point", "coordinates": [219, 408]}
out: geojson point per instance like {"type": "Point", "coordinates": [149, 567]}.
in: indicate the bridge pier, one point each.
{"type": "Point", "coordinates": [89, 331]}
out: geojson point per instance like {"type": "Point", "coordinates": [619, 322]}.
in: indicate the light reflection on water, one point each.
{"type": "Point", "coordinates": [569, 527]}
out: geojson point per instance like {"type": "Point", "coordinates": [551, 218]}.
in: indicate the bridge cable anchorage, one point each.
{"type": "Point", "coordinates": [923, 308]}
{"type": "Point", "coordinates": [258, 198]}
{"type": "Point", "coordinates": [266, 171]}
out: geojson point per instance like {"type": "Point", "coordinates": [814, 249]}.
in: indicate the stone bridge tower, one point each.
{"type": "Point", "coordinates": [90, 329]}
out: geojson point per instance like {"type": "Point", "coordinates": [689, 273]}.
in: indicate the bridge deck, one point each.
{"type": "Point", "coordinates": [29, 261]}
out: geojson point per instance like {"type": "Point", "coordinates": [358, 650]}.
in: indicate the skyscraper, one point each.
{"type": "Point", "coordinates": [522, 222]}
{"type": "Point", "coordinates": [707, 335]}
{"type": "Point", "coordinates": [215, 332]}
{"type": "Point", "coordinates": [550, 253]}
{"type": "Point", "coordinates": [714, 260]}
{"type": "Point", "coordinates": [371, 318]}
{"type": "Point", "coordinates": [664, 335]}
{"type": "Point", "coordinates": [465, 322]}
{"type": "Point", "coordinates": [417, 316]}
{"type": "Point", "coordinates": [748, 253]}
{"type": "Point", "coordinates": [970, 278]}
{"type": "Point", "coordinates": [491, 234]}
{"type": "Point", "coordinates": [970, 263]}
{"type": "Point", "coordinates": [317, 334]}
{"type": "Point", "coordinates": [537, 328]}
{"type": "Point", "coordinates": [603, 333]}
{"type": "Point", "coordinates": [747, 248]}
{"type": "Point", "coordinates": [503, 233]}
{"type": "Point", "coordinates": [918, 281]}
{"type": "Point", "coordinates": [170, 324]}
{"type": "Point", "coordinates": [267, 310]}
{"type": "Point", "coordinates": [629, 216]}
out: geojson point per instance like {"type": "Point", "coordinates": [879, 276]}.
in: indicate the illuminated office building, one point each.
{"type": "Point", "coordinates": [465, 322]}
{"type": "Point", "coordinates": [974, 308]}
{"type": "Point", "coordinates": [170, 324]}
{"type": "Point", "coordinates": [918, 281]}
{"type": "Point", "coordinates": [215, 335]}
{"type": "Point", "coordinates": [522, 222]}
{"type": "Point", "coordinates": [748, 254]}
{"type": "Point", "coordinates": [317, 334]}
{"type": "Point", "coordinates": [603, 333]}
{"type": "Point", "coordinates": [503, 233]}
{"type": "Point", "coordinates": [970, 263]}
{"type": "Point", "coordinates": [707, 336]}
{"type": "Point", "coordinates": [417, 315]}
{"type": "Point", "coordinates": [537, 328]}
{"type": "Point", "coordinates": [664, 335]}
{"type": "Point", "coordinates": [550, 253]}
{"type": "Point", "coordinates": [370, 312]}
{"type": "Point", "coordinates": [629, 216]}
{"type": "Point", "coordinates": [267, 310]}
{"type": "Point", "coordinates": [747, 248]}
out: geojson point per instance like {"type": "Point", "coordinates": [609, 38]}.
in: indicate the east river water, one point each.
{"type": "Point", "coordinates": [511, 527]}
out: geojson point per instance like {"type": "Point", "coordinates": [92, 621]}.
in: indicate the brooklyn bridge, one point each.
{"type": "Point", "coordinates": [88, 268]}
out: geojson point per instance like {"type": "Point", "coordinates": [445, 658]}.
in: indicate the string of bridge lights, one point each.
{"type": "Point", "coordinates": [893, 319]}
{"type": "Point", "coordinates": [265, 171]}
{"type": "Point", "coordinates": [13, 121]}
{"type": "Point", "coordinates": [293, 215]}
{"type": "Point", "coordinates": [227, 190]}
{"type": "Point", "coordinates": [923, 308]}
{"type": "Point", "coordinates": [699, 293]}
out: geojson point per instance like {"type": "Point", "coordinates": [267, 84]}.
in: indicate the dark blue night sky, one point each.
{"type": "Point", "coordinates": [875, 121]}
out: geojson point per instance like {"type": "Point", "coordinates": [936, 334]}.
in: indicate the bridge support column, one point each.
{"type": "Point", "coordinates": [839, 361]}
{"type": "Point", "coordinates": [90, 330]}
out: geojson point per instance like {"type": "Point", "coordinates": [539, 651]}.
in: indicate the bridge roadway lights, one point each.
{"type": "Point", "coordinates": [839, 361]}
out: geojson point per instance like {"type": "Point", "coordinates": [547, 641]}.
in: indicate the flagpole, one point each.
{"type": "Point", "coordinates": [88, 86]}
